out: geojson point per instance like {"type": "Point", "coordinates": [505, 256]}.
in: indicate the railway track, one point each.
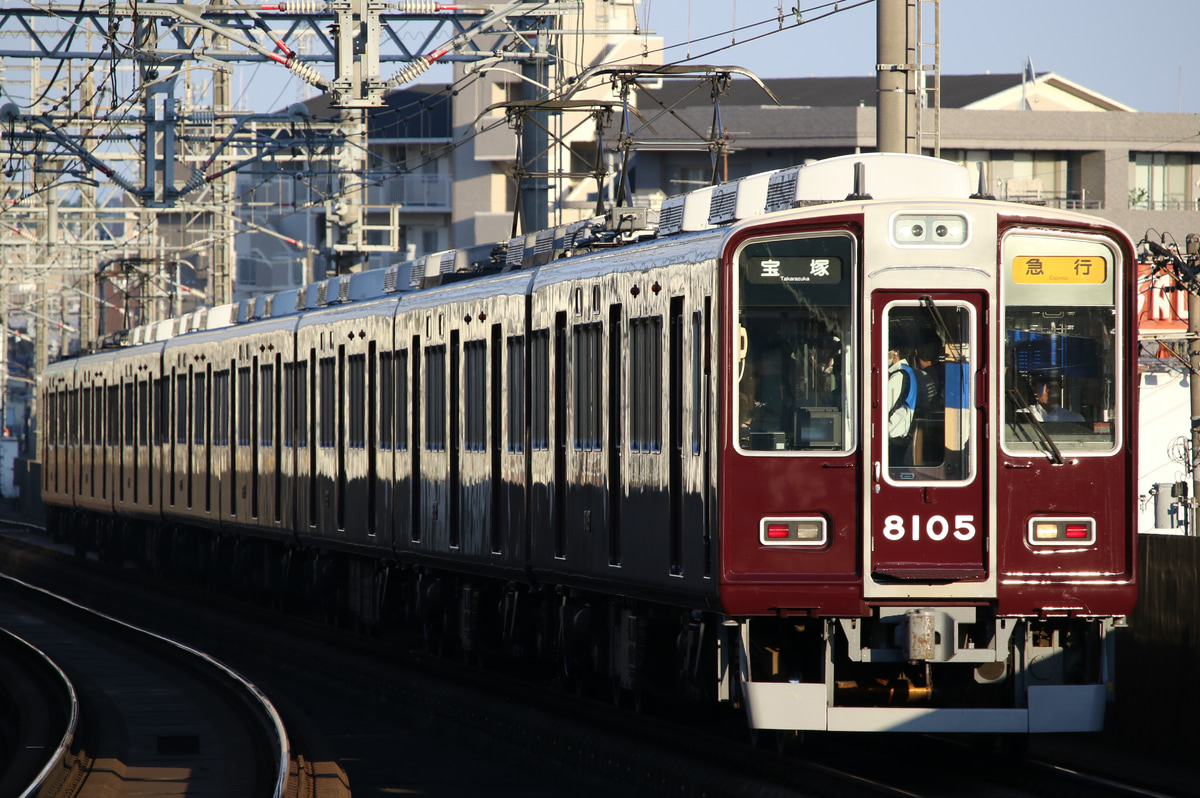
{"type": "Point", "coordinates": [547, 741]}
{"type": "Point", "coordinates": [39, 712]}
{"type": "Point", "coordinates": [153, 716]}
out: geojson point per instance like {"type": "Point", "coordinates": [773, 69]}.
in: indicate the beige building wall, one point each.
{"type": "Point", "coordinates": [604, 32]}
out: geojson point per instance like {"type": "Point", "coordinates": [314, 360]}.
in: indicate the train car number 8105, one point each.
{"type": "Point", "coordinates": [936, 528]}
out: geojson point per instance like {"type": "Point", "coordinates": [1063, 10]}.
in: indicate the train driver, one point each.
{"type": "Point", "coordinates": [1047, 391]}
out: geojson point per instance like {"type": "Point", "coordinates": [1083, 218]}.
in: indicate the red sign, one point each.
{"type": "Point", "coordinates": [1160, 311]}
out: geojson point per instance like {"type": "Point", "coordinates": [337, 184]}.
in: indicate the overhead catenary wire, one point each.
{"type": "Point", "coordinates": [387, 169]}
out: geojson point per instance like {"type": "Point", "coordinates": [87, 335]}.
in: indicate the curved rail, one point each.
{"type": "Point", "coordinates": [57, 758]}
{"type": "Point", "coordinates": [273, 720]}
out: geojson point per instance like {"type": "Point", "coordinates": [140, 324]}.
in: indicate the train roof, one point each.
{"type": "Point", "coordinates": [858, 177]}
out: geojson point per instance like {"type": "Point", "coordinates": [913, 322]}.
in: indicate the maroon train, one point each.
{"type": "Point", "coordinates": [841, 443]}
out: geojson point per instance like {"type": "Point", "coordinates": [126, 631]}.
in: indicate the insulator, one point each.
{"type": "Point", "coordinates": [415, 6]}
{"type": "Point", "coordinates": [304, 6]}
{"type": "Point", "coordinates": [305, 72]}
{"type": "Point", "coordinates": [204, 117]}
{"type": "Point", "coordinates": [410, 72]}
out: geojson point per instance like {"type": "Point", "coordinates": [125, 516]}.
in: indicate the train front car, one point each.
{"type": "Point", "coordinates": [927, 477]}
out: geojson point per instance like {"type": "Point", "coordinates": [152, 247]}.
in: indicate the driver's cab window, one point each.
{"type": "Point", "coordinates": [793, 337]}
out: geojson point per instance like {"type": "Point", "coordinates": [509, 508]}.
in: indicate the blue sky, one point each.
{"type": "Point", "coordinates": [1145, 54]}
{"type": "Point", "coordinates": [1132, 52]}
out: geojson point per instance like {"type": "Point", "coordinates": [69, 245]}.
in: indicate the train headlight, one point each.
{"type": "Point", "coordinates": [929, 230]}
{"type": "Point", "coordinates": [1062, 532]}
{"type": "Point", "coordinates": [792, 531]}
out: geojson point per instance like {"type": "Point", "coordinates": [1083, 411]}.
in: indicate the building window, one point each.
{"type": "Point", "coordinates": [247, 271]}
{"type": "Point", "coordinates": [1159, 181]}
{"type": "Point", "coordinates": [682, 179]}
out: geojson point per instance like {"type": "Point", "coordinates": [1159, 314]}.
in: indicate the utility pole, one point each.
{"type": "Point", "coordinates": [535, 140]}
{"type": "Point", "coordinates": [1193, 257]}
{"type": "Point", "coordinates": [895, 70]}
{"type": "Point", "coordinates": [1184, 268]}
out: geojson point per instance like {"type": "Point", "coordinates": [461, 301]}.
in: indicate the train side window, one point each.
{"type": "Point", "coordinates": [328, 409]}
{"type": "Point", "coordinates": [74, 432]}
{"type": "Point", "coordinates": [266, 401]}
{"type": "Point", "coordinates": [401, 400]}
{"type": "Point", "coordinates": [515, 394]}
{"type": "Point", "coordinates": [793, 338]}
{"type": "Point", "coordinates": [243, 407]}
{"type": "Point", "coordinates": [129, 415]}
{"type": "Point", "coordinates": [356, 396]}
{"type": "Point", "coordinates": [64, 413]}
{"type": "Point", "coordinates": [435, 398]}
{"type": "Point", "coordinates": [589, 346]}
{"type": "Point", "coordinates": [539, 364]}
{"type": "Point", "coordinates": [475, 396]}
{"type": "Point", "coordinates": [51, 417]}
{"type": "Point", "coordinates": [220, 418]}
{"type": "Point", "coordinates": [289, 404]}
{"type": "Point", "coordinates": [302, 403]}
{"type": "Point", "coordinates": [199, 407]}
{"type": "Point", "coordinates": [85, 419]}
{"type": "Point", "coordinates": [181, 408]}
{"type": "Point", "coordinates": [645, 384]}
{"type": "Point", "coordinates": [162, 394]}
{"type": "Point", "coordinates": [113, 415]}
{"type": "Point", "coordinates": [387, 400]}
{"type": "Point", "coordinates": [143, 412]}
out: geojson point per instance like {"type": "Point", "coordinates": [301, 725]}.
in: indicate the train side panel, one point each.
{"type": "Point", "coordinates": [622, 365]}
{"type": "Point", "coordinates": [197, 480]}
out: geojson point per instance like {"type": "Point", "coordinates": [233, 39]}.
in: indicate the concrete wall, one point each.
{"type": "Point", "coordinates": [1158, 693]}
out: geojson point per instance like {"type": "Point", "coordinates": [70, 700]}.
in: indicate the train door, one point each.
{"type": "Point", "coordinates": [929, 492]}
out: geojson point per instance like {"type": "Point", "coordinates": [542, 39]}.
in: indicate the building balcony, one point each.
{"type": "Point", "coordinates": [413, 193]}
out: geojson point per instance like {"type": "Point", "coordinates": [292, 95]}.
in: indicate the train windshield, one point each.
{"type": "Point", "coordinates": [1060, 347]}
{"type": "Point", "coordinates": [930, 360]}
{"type": "Point", "coordinates": [794, 339]}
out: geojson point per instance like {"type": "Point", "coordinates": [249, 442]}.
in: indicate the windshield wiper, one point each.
{"type": "Point", "coordinates": [942, 328]}
{"type": "Point", "coordinates": [1020, 411]}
